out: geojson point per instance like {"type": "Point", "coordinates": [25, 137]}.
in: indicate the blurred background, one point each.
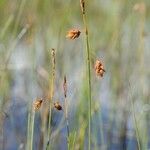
{"type": "Point", "coordinates": [119, 32]}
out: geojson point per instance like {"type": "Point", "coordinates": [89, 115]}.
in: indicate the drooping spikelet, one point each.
{"type": "Point", "coordinates": [57, 106]}
{"type": "Point", "coordinates": [99, 68]}
{"type": "Point", "coordinates": [73, 34]}
{"type": "Point", "coordinates": [37, 103]}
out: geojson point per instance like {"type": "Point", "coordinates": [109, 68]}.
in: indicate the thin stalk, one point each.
{"type": "Point", "coordinates": [73, 143]}
{"type": "Point", "coordinates": [21, 7]}
{"type": "Point", "coordinates": [11, 49]}
{"type": "Point", "coordinates": [6, 26]}
{"type": "Point", "coordinates": [30, 130]}
{"type": "Point", "coordinates": [67, 123]}
{"type": "Point", "coordinates": [66, 110]}
{"type": "Point", "coordinates": [82, 3]}
{"type": "Point", "coordinates": [51, 97]}
{"type": "Point", "coordinates": [135, 124]}
{"type": "Point", "coordinates": [136, 127]}
{"type": "Point", "coordinates": [49, 125]}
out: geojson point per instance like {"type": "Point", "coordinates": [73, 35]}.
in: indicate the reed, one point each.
{"type": "Point", "coordinates": [51, 96]}
{"type": "Point", "coordinates": [31, 117]}
{"type": "Point", "coordinates": [66, 110]}
{"type": "Point", "coordinates": [135, 122]}
{"type": "Point", "coordinates": [82, 4]}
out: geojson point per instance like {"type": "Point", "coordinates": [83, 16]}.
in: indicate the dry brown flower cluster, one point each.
{"type": "Point", "coordinates": [37, 103]}
{"type": "Point", "coordinates": [57, 106]}
{"type": "Point", "coordinates": [99, 68]}
{"type": "Point", "coordinates": [73, 34]}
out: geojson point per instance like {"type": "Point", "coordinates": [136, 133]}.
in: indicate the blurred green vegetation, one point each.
{"type": "Point", "coordinates": [119, 36]}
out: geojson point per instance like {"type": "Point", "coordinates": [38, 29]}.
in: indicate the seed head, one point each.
{"type": "Point", "coordinates": [73, 34]}
{"type": "Point", "coordinates": [37, 104]}
{"type": "Point", "coordinates": [99, 68]}
{"type": "Point", "coordinates": [57, 106]}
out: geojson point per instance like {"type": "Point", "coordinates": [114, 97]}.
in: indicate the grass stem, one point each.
{"type": "Point", "coordinates": [135, 123]}
{"type": "Point", "coordinates": [82, 2]}
{"type": "Point", "coordinates": [31, 117]}
{"type": "Point", "coordinates": [66, 110]}
{"type": "Point", "coordinates": [51, 97]}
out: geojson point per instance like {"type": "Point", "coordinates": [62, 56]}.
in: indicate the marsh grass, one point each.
{"type": "Point", "coordinates": [51, 96]}
{"type": "Point", "coordinates": [118, 34]}
{"type": "Point", "coordinates": [86, 32]}
{"type": "Point", "coordinates": [66, 111]}
{"type": "Point", "coordinates": [30, 135]}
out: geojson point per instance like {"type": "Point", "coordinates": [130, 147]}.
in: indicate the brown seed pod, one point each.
{"type": "Point", "coordinates": [73, 34]}
{"type": "Point", "coordinates": [37, 104]}
{"type": "Point", "coordinates": [99, 68]}
{"type": "Point", "coordinates": [57, 106]}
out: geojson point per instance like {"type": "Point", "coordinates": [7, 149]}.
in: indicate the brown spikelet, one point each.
{"type": "Point", "coordinates": [57, 106]}
{"type": "Point", "coordinates": [82, 4]}
{"type": "Point", "coordinates": [37, 104]}
{"type": "Point", "coordinates": [65, 86]}
{"type": "Point", "coordinates": [73, 34]}
{"type": "Point", "coordinates": [99, 68]}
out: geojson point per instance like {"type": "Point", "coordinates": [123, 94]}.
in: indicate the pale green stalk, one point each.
{"type": "Point", "coordinates": [67, 121]}
{"type": "Point", "coordinates": [30, 130]}
{"type": "Point", "coordinates": [136, 127]}
{"type": "Point", "coordinates": [21, 7]}
{"type": "Point", "coordinates": [135, 123]}
{"type": "Point", "coordinates": [82, 3]}
{"type": "Point", "coordinates": [51, 98]}
{"type": "Point", "coordinates": [66, 110]}
{"type": "Point", "coordinates": [7, 24]}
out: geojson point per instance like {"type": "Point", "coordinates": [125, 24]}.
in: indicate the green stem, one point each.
{"type": "Point", "coordinates": [67, 121]}
{"type": "Point", "coordinates": [51, 98]}
{"type": "Point", "coordinates": [28, 130]}
{"type": "Point", "coordinates": [135, 123]}
{"type": "Point", "coordinates": [32, 129]}
{"type": "Point", "coordinates": [49, 125]}
{"type": "Point", "coordinates": [31, 117]}
{"type": "Point", "coordinates": [136, 127]}
{"type": "Point", "coordinates": [89, 78]}
{"type": "Point", "coordinates": [21, 7]}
